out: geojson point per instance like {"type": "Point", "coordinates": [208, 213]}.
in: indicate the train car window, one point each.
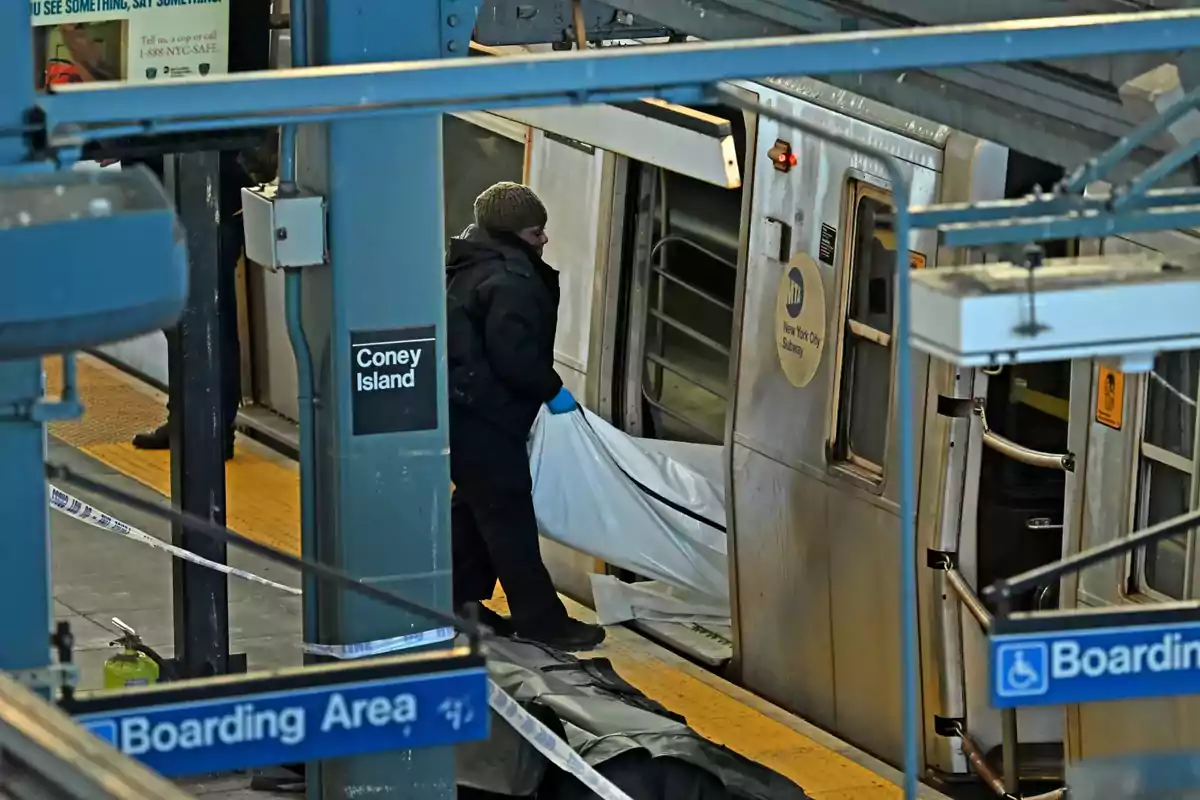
{"type": "Point", "coordinates": [1167, 469]}
{"type": "Point", "coordinates": [864, 397]}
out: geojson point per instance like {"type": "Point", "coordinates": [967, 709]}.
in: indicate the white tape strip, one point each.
{"type": "Point", "coordinates": [76, 508]}
{"type": "Point", "coordinates": [73, 507]}
{"type": "Point", "coordinates": [542, 738]}
{"type": "Point", "coordinates": [380, 646]}
{"type": "Point", "coordinates": [558, 752]}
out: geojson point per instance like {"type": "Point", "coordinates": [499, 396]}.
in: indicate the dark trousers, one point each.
{"type": "Point", "coordinates": [229, 354]}
{"type": "Point", "coordinates": [493, 527]}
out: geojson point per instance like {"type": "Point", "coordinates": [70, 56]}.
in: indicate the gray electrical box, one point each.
{"type": "Point", "coordinates": [283, 231]}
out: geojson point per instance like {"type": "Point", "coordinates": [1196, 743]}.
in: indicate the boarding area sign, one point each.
{"type": "Point", "coordinates": [300, 724]}
{"type": "Point", "coordinates": [1094, 664]}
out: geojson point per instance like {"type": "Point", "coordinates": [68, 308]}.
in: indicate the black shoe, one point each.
{"type": "Point", "coordinates": [157, 439]}
{"type": "Point", "coordinates": [500, 626]}
{"type": "Point", "coordinates": [571, 635]}
{"type": "Point", "coordinates": [160, 439]}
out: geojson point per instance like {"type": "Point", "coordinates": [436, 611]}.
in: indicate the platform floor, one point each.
{"type": "Point", "coordinates": [98, 575]}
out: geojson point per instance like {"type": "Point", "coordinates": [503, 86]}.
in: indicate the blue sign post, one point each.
{"type": "Point", "coordinates": [300, 724]}
{"type": "Point", "coordinates": [1057, 667]}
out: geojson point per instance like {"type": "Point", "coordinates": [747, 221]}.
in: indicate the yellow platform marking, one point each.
{"type": "Point", "coordinates": [262, 493]}
{"type": "Point", "coordinates": [714, 709]}
{"type": "Point", "coordinates": [264, 503]}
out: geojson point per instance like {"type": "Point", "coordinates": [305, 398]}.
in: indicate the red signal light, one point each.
{"type": "Point", "coordinates": [781, 155]}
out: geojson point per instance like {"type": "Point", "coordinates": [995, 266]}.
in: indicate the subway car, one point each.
{"type": "Point", "coordinates": [681, 233]}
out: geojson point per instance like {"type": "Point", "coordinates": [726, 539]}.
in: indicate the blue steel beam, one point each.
{"type": "Point", "coordinates": [1092, 225]}
{"type": "Point", "coordinates": [605, 75]}
{"type": "Point", "coordinates": [1024, 208]}
{"type": "Point", "coordinates": [25, 545]}
{"type": "Point", "coordinates": [378, 489]}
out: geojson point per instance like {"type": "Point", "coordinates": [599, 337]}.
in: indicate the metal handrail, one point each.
{"type": "Point", "coordinates": [690, 332]}
{"type": "Point", "coordinates": [691, 287]}
{"type": "Point", "coordinates": [46, 751]}
{"type": "Point", "coordinates": [966, 596]}
{"type": "Point", "coordinates": [1004, 784]}
{"type": "Point", "coordinates": [1017, 452]}
{"type": "Point", "coordinates": [690, 375]}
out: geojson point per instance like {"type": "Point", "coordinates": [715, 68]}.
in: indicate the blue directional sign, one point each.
{"type": "Point", "coordinates": [1080, 666]}
{"type": "Point", "coordinates": [298, 725]}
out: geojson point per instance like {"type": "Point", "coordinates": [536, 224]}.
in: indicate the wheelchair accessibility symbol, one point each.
{"type": "Point", "coordinates": [1022, 670]}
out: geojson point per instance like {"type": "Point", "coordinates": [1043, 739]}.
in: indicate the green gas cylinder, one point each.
{"type": "Point", "coordinates": [131, 667]}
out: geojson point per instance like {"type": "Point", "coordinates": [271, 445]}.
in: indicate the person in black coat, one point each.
{"type": "Point", "coordinates": [501, 318]}
{"type": "Point", "coordinates": [233, 176]}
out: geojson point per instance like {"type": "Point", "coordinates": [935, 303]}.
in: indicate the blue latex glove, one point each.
{"type": "Point", "coordinates": [562, 403]}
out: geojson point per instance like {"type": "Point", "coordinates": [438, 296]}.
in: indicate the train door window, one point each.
{"type": "Point", "coordinates": [864, 397]}
{"type": "Point", "coordinates": [1166, 476]}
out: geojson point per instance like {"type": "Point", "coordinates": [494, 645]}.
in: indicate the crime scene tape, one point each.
{"type": "Point", "coordinates": [547, 742]}
{"type": "Point", "coordinates": [74, 507]}
{"type": "Point", "coordinates": [544, 740]}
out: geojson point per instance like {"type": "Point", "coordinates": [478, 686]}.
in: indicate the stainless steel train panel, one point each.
{"type": "Point", "coordinates": [786, 641]}
{"type": "Point", "coordinates": [954, 657]}
{"type": "Point", "coordinates": [941, 495]}
{"type": "Point", "coordinates": [810, 197]}
{"type": "Point", "coordinates": [1096, 730]}
{"type": "Point", "coordinates": [676, 138]}
{"type": "Point", "coordinates": [567, 175]}
{"type": "Point", "coordinates": [816, 529]}
{"type": "Point", "coordinates": [972, 170]}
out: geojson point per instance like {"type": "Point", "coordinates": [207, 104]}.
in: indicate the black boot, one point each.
{"type": "Point", "coordinates": [500, 626]}
{"type": "Point", "coordinates": [160, 439]}
{"type": "Point", "coordinates": [157, 439]}
{"type": "Point", "coordinates": [570, 635]}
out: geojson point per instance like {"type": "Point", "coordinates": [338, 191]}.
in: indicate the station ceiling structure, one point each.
{"type": "Point", "coordinates": [1061, 112]}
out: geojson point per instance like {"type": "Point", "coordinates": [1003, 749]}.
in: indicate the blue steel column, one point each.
{"type": "Point", "coordinates": [382, 499]}
{"type": "Point", "coordinates": [25, 543]}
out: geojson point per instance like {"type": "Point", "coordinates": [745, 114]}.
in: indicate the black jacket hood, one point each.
{"type": "Point", "coordinates": [475, 246]}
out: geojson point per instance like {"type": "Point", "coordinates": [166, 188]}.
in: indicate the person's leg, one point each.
{"type": "Point", "coordinates": [491, 475]}
{"type": "Point", "coordinates": [504, 514]}
{"type": "Point", "coordinates": [506, 522]}
{"type": "Point", "coordinates": [473, 575]}
{"type": "Point", "coordinates": [160, 437]}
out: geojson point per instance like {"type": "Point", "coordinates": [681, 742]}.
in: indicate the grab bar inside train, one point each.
{"type": "Point", "coordinates": [1005, 784]}
{"type": "Point", "coordinates": [967, 597]}
{"type": "Point", "coordinates": [1007, 447]}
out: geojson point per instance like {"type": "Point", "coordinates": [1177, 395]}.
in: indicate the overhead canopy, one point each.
{"type": "Point", "coordinates": [1061, 112]}
{"type": "Point", "coordinates": [676, 138]}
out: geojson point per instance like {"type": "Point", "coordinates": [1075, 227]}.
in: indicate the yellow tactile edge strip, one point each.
{"type": "Point", "coordinates": [264, 501]}
{"type": "Point", "coordinates": [713, 710]}
{"type": "Point", "coordinates": [262, 492]}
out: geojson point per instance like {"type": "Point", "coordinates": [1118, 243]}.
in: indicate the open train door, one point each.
{"type": "Point", "coordinates": [590, 165]}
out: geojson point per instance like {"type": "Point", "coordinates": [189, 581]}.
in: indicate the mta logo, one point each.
{"type": "Point", "coordinates": [1022, 670]}
{"type": "Point", "coordinates": [795, 297]}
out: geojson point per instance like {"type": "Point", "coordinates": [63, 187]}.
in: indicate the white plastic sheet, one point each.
{"type": "Point", "coordinates": [654, 508]}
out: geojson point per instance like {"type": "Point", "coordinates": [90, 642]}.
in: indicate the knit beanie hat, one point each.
{"type": "Point", "coordinates": [508, 207]}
